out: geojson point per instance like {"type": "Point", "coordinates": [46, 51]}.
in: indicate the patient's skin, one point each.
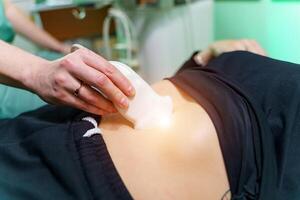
{"type": "Point", "coordinates": [180, 162]}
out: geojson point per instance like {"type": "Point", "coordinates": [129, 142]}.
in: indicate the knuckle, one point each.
{"type": "Point", "coordinates": [101, 80]}
{"type": "Point", "coordinates": [82, 52]}
{"type": "Point", "coordinates": [67, 63]}
{"type": "Point", "coordinates": [109, 70]}
{"type": "Point", "coordinates": [56, 88]}
{"type": "Point", "coordinates": [124, 81]}
{"type": "Point", "coordinates": [118, 95]}
{"type": "Point", "coordinates": [59, 79]}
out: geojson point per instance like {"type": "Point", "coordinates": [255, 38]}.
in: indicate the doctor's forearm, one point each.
{"type": "Point", "coordinates": [23, 25]}
{"type": "Point", "coordinates": [17, 67]}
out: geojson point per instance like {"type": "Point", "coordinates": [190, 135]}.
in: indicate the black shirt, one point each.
{"type": "Point", "coordinates": [253, 103]}
{"type": "Point", "coordinates": [240, 124]}
{"type": "Point", "coordinates": [274, 89]}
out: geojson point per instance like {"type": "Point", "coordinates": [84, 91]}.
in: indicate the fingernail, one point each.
{"type": "Point", "coordinates": [124, 102]}
{"type": "Point", "coordinates": [131, 91]}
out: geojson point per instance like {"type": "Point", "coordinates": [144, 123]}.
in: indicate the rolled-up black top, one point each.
{"type": "Point", "coordinates": [239, 122]}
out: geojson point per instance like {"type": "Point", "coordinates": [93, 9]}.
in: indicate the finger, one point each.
{"type": "Point", "coordinates": [96, 61]}
{"type": "Point", "coordinates": [249, 46]}
{"type": "Point", "coordinates": [90, 96]}
{"type": "Point", "coordinates": [203, 57]}
{"type": "Point", "coordinates": [260, 50]}
{"type": "Point", "coordinates": [65, 81]}
{"type": "Point", "coordinates": [68, 83]}
{"type": "Point", "coordinates": [82, 105]}
{"type": "Point", "coordinates": [73, 101]}
{"type": "Point", "coordinates": [253, 47]}
{"type": "Point", "coordinates": [239, 46]}
{"type": "Point", "coordinates": [97, 79]}
{"type": "Point", "coordinates": [221, 47]}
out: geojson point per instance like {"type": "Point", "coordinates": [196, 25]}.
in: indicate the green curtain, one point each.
{"type": "Point", "coordinates": [14, 101]}
{"type": "Point", "coordinates": [6, 31]}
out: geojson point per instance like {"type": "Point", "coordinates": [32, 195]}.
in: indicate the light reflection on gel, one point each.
{"type": "Point", "coordinates": [164, 121]}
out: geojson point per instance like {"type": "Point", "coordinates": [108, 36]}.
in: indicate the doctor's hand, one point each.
{"type": "Point", "coordinates": [223, 46]}
{"type": "Point", "coordinates": [69, 81]}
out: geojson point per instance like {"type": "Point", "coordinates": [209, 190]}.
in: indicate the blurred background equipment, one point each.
{"type": "Point", "coordinates": [157, 37]}
{"type": "Point", "coordinates": [164, 32]}
{"type": "Point", "coordinates": [154, 37]}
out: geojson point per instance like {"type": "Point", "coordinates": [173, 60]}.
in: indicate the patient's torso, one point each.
{"type": "Point", "coordinates": [181, 161]}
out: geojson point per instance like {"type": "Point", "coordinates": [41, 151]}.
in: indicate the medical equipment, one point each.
{"type": "Point", "coordinates": [128, 45]}
{"type": "Point", "coordinates": [161, 36]}
{"type": "Point", "coordinates": [146, 109]}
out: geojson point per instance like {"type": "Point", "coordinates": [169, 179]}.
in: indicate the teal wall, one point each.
{"type": "Point", "coordinates": [274, 24]}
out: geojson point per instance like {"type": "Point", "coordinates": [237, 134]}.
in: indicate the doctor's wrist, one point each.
{"type": "Point", "coordinates": [30, 76]}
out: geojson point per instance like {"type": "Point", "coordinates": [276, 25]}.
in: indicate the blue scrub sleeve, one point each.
{"type": "Point", "coordinates": [15, 101]}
